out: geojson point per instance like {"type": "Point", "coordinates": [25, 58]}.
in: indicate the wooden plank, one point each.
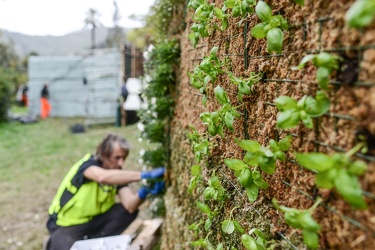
{"type": "Point", "coordinates": [134, 227]}
{"type": "Point", "coordinates": [148, 236]}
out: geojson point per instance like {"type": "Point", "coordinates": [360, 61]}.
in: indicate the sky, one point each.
{"type": "Point", "coordinates": [59, 17]}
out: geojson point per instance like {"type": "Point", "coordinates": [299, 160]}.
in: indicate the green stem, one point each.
{"type": "Point", "coordinates": [230, 217]}
{"type": "Point", "coordinates": [354, 150]}
{"type": "Point", "coordinates": [316, 204]}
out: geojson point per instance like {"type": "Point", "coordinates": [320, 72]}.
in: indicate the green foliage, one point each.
{"type": "Point", "coordinates": [229, 226]}
{"type": "Point", "coordinates": [165, 18]}
{"type": "Point", "coordinates": [155, 158]}
{"type": "Point", "coordinates": [154, 131]}
{"type": "Point", "coordinates": [325, 64]}
{"type": "Point", "coordinates": [240, 7]}
{"type": "Point", "coordinates": [207, 71]}
{"type": "Point", "coordinates": [302, 219]}
{"type": "Point", "coordinates": [257, 156]}
{"type": "Point", "coordinates": [270, 27]}
{"type": "Point", "coordinates": [224, 117]}
{"type": "Point", "coordinates": [339, 172]}
{"type": "Point", "coordinates": [196, 172]}
{"type": "Point", "coordinates": [245, 85]}
{"type": "Point", "coordinates": [360, 14]}
{"type": "Point", "coordinates": [204, 16]}
{"type": "Point", "coordinates": [6, 80]}
{"type": "Point", "coordinates": [308, 107]}
{"type": "Point", "coordinates": [215, 190]}
{"type": "Point", "coordinates": [201, 146]}
{"type": "Point", "coordinates": [250, 243]}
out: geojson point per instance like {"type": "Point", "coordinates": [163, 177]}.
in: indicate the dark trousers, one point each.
{"type": "Point", "coordinates": [111, 223]}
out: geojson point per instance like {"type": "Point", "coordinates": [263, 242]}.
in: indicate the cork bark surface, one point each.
{"type": "Point", "coordinates": [317, 26]}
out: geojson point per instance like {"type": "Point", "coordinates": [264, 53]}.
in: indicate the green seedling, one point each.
{"type": "Point", "coordinates": [201, 146]}
{"type": "Point", "coordinates": [300, 2]}
{"type": "Point", "coordinates": [216, 120]}
{"type": "Point", "coordinates": [203, 17]}
{"type": "Point", "coordinates": [257, 156]}
{"type": "Point", "coordinates": [360, 14]}
{"type": "Point", "coordinates": [339, 172]}
{"type": "Point", "coordinates": [308, 107]}
{"type": "Point", "coordinates": [215, 190]}
{"type": "Point", "coordinates": [251, 243]}
{"type": "Point", "coordinates": [302, 219]}
{"type": "Point", "coordinates": [210, 214]}
{"type": "Point", "coordinates": [270, 28]}
{"type": "Point", "coordinates": [245, 85]}
{"type": "Point", "coordinates": [207, 71]}
{"type": "Point", "coordinates": [228, 226]}
{"type": "Point", "coordinates": [325, 64]}
{"type": "Point", "coordinates": [240, 8]}
{"type": "Point", "coordinates": [196, 172]}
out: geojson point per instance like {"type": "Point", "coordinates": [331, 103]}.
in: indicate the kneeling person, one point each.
{"type": "Point", "coordinates": [85, 205]}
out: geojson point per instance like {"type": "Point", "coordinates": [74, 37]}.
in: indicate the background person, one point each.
{"type": "Point", "coordinates": [85, 207]}
{"type": "Point", "coordinates": [45, 106]}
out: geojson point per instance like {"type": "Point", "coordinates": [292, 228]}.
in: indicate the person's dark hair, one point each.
{"type": "Point", "coordinates": [105, 148]}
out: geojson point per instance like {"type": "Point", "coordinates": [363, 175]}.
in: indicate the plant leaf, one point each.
{"type": "Point", "coordinates": [227, 226]}
{"type": "Point", "coordinates": [258, 31]}
{"type": "Point", "coordinates": [248, 145]}
{"type": "Point", "coordinates": [235, 164]}
{"type": "Point", "coordinates": [249, 242]}
{"type": "Point", "coordinates": [275, 39]}
{"type": "Point", "coordinates": [252, 192]}
{"type": "Point", "coordinates": [263, 11]}
{"type": "Point", "coordinates": [315, 161]}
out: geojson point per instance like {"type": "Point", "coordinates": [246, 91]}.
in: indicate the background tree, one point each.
{"type": "Point", "coordinates": [92, 19]}
{"type": "Point", "coordinates": [116, 34]}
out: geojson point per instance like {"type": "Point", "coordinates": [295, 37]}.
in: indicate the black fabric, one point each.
{"type": "Point", "coordinates": [111, 223]}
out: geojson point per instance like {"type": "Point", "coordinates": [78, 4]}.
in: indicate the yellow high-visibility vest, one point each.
{"type": "Point", "coordinates": [77, 202]}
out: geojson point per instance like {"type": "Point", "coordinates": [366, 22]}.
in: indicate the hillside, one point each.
{"type": "Point", "coordinates": [70, 44]}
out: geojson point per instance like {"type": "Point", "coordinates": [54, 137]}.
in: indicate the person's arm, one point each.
{"type": "Point", "coordinates": [119, 176]}
{"type": "Point", "coordinates": [111, 176]}
{"type": "Point", "coordinates": [129, 200]}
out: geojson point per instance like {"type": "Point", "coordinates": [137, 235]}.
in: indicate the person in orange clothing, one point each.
{"type": "Point", "coordinates": [25, 99]}
{"type": "Point", "coordinates": [45, 106]}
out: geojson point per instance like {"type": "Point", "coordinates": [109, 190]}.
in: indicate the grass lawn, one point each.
{"type": "Point", "coordinates": [33, 160]}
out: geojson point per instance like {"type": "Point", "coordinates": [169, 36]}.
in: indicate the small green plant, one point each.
{"type": "Point", "coordinates": [245, 85]}
{"type": "Point", "coordinates": [154, 131]}
{"type": "Point", "coordinates": [201, 145]}
{"type": "Point", "coordinates": [225, 116]}
{"type": "Point", "coordinates": [240, 7]}
{"type": "Point", "coordinates": [207, 71]}
{"type": "Point", "coordinates": [308, 107]}
{"type": "Point", "coordinates": [250, 243]}
{"type": "Point", "coordinates": [302, 219]}
{"type": "Point", "coordinates": [215, 190]}
{"type": "Point", "coordinates": [204, 15]}
{"type": "Point", "coordinates": [339, 172]}
{"type": "Point", "coordinates": [325, 63]}
{"type": "Point", "coordinates": [210, 214]}
{"type": "Point", "coordinates": [270, 27]}
{"type": "Point", "coordinates": [360, 14]}
{"type": "Point", "coordinates": [196, 172]}
{"type": "Point", "coordinates": [228, 226]}
{"type": "Point", "coordinates": [257, 156]}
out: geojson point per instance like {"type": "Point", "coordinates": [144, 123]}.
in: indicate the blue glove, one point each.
{"type": "Point", "coordinates": [143, 192]}
{"type": "Point", "coordinates": [156, 173]}
{"type": "Point", "coordinates": [156, 189]}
